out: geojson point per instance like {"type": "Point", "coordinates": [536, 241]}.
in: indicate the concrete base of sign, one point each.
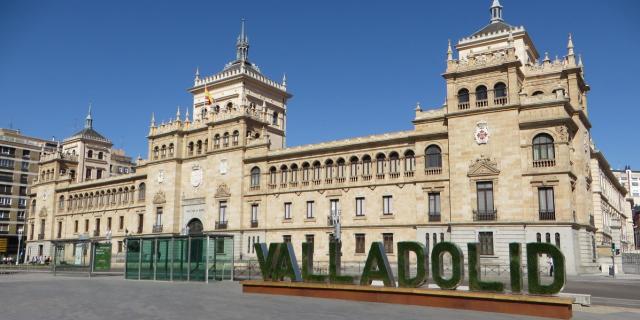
{"type": "Point", "coordinates": [540, 306]}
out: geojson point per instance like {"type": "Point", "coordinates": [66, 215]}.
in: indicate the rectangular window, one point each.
{"type": "Point", "coordinates": [5, 201]}
{"type": "Point", "coordinates": [286, 238]}
{"type": "Point", "coordinates": [97, 230]}
{"type": "Point", "coordinates": [222, 212]}
{"type": "Point", "coordinates": [75, 226]}
{"type": "Point", "coordinates": [486, 243]}
{"type": "Point", "coordinates": [546, 203]}
{"type": "Point", "coordinates": [86, 225]}
{"type": "Point", "coordinates": [485, 200]}
{"type": "Point", "coordinates": [22, 203]}
{"type": "Point", "coordinates": [21, 215]}
{"type": "Point", "coordinates": [5, 189]}
{"type": "Point", "coordinates": [334, 207]}
{"type": "Point", "coordinates": [140, 222]}
{"type": "Point", "coordinates": [426, 242]}
{"type": "Point", "coordinates": [310, 209]}
{"type": "Point", "coordinates": [309, 238]}
{"type": "Point", "coordinates": [287, 210]}
{"type": "Point", "coordinates": [386, 205]}
{"type": "Point", "coordinates": [120, 222]}
{"type": "Point", "coordinates": [59, 229]}
{"type": "Point", "coordinates": [158, 216]}
{"type": "Point", "coordinates": [108, 223]}
{"type": "Point", "coordinates": [4, 228]}
{"type": "Point", "coordinates": [254, 212]}
{"type": "Point", "coordinates": [434, 206]}
{"type": "Point", "coordinates": [119, 246]}
{"type": "Point", "coordinates": [360, 243]}
{"type": "Point", "coordinates": [4, 215]}
{"type": "Point", "coordinates": [360, 206]}
{"type": "Point", "coordinates": [388, 242]}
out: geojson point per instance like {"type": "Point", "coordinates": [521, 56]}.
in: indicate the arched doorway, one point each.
{"type": "Point", "coordinates": [194, 227]}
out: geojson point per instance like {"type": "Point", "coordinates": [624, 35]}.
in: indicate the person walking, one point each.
{"type": "Point", "coordinates": [550, 263]}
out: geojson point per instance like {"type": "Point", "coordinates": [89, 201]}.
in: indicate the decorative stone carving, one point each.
{"type": "Point", "coordinates": [224, 166]}
{"type": "Point", "coordinates": [43, 212]}
{"type": "Point", "coordinates": [483, 166]}
{"type": "Point", "coordinates": [563, 134]}
{"type": "Point", "coordinates": [223, 191]}
{"type": "Point", "coordinates": [196, 175]}
{"type": "Point", "coordinates": [159, 198]}
{"type": "Point", "coordinates": [481, 133]}
{"type": "Point", "coordinates": [160, 177]}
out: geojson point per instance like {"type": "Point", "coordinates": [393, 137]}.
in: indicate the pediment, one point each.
{"type": "Point", "coordinates": [483, 166]}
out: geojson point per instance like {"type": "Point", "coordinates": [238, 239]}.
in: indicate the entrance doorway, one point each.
{"type": "Point", "coordinates": [194, 227]}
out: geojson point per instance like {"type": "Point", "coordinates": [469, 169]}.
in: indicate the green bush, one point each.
{"type": "Point", "coordinates": [404, 248]}
{"type": "Point", "coordinates": [457, 265]}
{"type": "Point", "coordinates": [307, 265]}
{"type": "Point", "coordinates": [377, 258]}
{"type": "Point", "coordinates": [475, 283]}
{"type": "Point", "coordinates": [515, 266]}
{"type": "Point", "coordinates": [559, 273]}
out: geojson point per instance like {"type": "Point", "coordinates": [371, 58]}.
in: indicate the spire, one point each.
{"type": "Point", "coordinates": [153, 119]}
{"type": "Point", "coordinates": [570, 45]}
{"type": "Point", "coordinates": [546, 57]}
{"type": "Point", "coordinates": [242, 45]}
{"type": "Point", "coordinates": [88, 123]}
{"type": "Point", "coordinates": [186, 117]}
{"type": "Point", "coordinates": [580, 60]}
{"type": "Point", "coordinates": [284, 79]}
{"type": "Point", "coordinates": [197, 74]}
{"type": "Point", "coordinates": [449, 52]}
{"type": "Point", "coordinates": [496, 11]}
{"type": "Point", "coordinates": [178, 114]}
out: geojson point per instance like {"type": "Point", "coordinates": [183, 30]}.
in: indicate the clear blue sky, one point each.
{"type": "Point", "coordinates": [355, 68]}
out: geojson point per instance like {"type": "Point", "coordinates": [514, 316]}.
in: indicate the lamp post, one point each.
{"type": "Point", "coordinates": [19, 240]}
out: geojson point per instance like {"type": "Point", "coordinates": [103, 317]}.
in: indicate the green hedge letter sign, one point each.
{"type": "Point", "coordinates": [403, 264]}
{"type": "Point", "coordinates": [475, 283]}
{"type": "Point", "coordinates": [559, 276]}
{"type": "Point", "coordinates": [267, 259]}
{"type": "Point", "coordinates": [307, 265]}
{"type": "Point", "coordinates": [457, 265]}
{"type": "Point", "coordinates": [377, 258]}
{"type": "Point", "coordinates": [515, 266]}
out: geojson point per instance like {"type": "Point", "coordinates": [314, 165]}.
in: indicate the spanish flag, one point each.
{"type": "Point", "coordinates": [208, 97]}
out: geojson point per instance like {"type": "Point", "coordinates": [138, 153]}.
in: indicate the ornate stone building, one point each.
{"type": "Point", "coordinates": [506, 158]}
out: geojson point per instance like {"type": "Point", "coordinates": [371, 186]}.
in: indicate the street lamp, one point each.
{"type": "Point", "coordinates": [20, 231]}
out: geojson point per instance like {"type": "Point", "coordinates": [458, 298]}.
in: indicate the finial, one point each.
{"type": "Point", "coordinates": [88, 124]}
{"type": "Point", "coordinates": [153, 119]}
{"type": "Point", "coordinates": [449, 53]}
{"type": "Point", "coordinates": [197, 73]}
{"type": "Point", "coordinates": [556, 60]}
{"type": "Point", "coordinates": [546, 57]}
{"type": "Point", "coordinates": [570, 45]}
{"type": "Point", "coordinates": [186, 117]}
{"type": "Point", "coordinates": [579, 60]}
{"type": "Point", "coordinates": [284, 79]}
{"type": "Point", "coordinates": [178, 114]}
{"type": "Point", "coordinates": [242, 45]}
{"type": "Point", "coordinates": [418, 107]}
{"type": "Point", "coordinates": [496, 11]}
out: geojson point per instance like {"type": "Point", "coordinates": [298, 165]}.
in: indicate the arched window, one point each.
{"type": "Point", "coordinates": [142, 189]}
{"type": "Point", "coordinates": [433, 156]}
{"type": "Point", "coordinates": [409, 161]}
{"type": "Point", "coordinates": [353, 167]}
{"type": "Point", "coordinates": [284, 172]}
{"type": "Point", "coordinates": [305, 171]}
{"type": "Point", "coordinates": [543, 147]}
{"type": "Point", "coordinates": [190, 148]}
{"type": "Point", "coordinates": [394, 162]}
{"type": "Point", "coordinates": [481, 96]}
{"type": "Point", "coordinates": [199, 147]}
{"type": "Point", "coordinates": [100, 155]}
{"type": "Point", "coordinates": [61, 203]}
{"type": "Point", "coordinates": [316, 171]}
{"type": "Point", "coordinates": [90, 154]}
{"type": "Point", "coordinates": [380, 158]}
{"type": "Point", "coordinates": [274, 120]}
{"type": "Point", "coordinates": [216, 141]}
{"type": "Point", "coordinates": [156, 152]}
{"type": "Point", "coordinates": [225, 139]}
{"type": "Point", "coordinates": [171, 149]}
{"type": "Point", "coordinates": [235, 138]}
{"type": "Point", "coordinates": [229, 106]}
{"type": "Point", "coordinates": [163, 151]}
{"type": "Point", "coordinates": [537, 93]}
{"type": "Point", "coordinates": [500, 90]}
{"type": "Point", "coordinates": [557, 240]}
{"type": "Point", "coordinates": [33, 207]}
{"type": "Point", "coordinates": [463, 98]}
{"type": "Point", "coordinates": [272, 175]}
{"type": "Point", "coordinates": [294, 173]}
{"type": "Point", "coordinates": [366, 165]}
{"type": "Point", "coordinates": [340, 171]}
{"type": "Point", "coordinates": [328, 168]}
{"type": "Point", "coordinates": [500, 94]}
{"type": "Point", "coordinates": [255, 177]}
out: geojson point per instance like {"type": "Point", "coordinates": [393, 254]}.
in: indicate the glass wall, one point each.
{"type": "Point", "coordinates": [194, 258]}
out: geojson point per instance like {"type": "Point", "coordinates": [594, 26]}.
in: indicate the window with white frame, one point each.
{"type": "Point", "coordinates": [254, 212]}
{"type": "Point", "coordinates": [310, 209]}
{"type": "Point", "coordinates": [359, 206]}
{"type": "Point", "coordinates": [287, 210]}
{"type": "Point", "coordinates": [387, 205]}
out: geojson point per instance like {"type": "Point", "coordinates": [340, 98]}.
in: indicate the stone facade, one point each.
{"type": "Point", "coordinates": [507, 158]}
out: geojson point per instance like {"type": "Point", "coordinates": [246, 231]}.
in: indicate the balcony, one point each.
{"type": "Point", "coordinates": [463, 105]}
{"type": "Point", "coordinates": [500, 101]}
{"type": "Point", "coordinates": [482, 103]}
{"type": "Point", "coordinates": [380, 176]}
{"type": "Point", "coordinates": [394, 175]}
{"type": "Point", "coordinates": [485, 215]}
{"type": "Point", "coordinates": [353, 179]}
{"type": "Point", "coordinates": [254, 223]}
{"type": "Point", "coordinates": [40, 236]}
{"type": "Point", "coordinates": [157, 228]}
{"type": "Point", "coordinates": [366, 177]}
{"type": "Point", "coordinates": [253, 188]}
{"type": "Point", "coordinates": [432, 171]}
{"type": "Point", "coordinates": [434, 217]}
{"type": "Point", "coordinates": [220, 225]}
{"type": "Point", "coordinates": [329, 221]}
{"type": "Point", "coordinates": [272, 185]}
{"type": "Point", "coordinates": [340, 180]}
{"type": "Point", "coordinates": [408, 174]}
{"type": "Point", "coordinates": [547, 215]}
{"type": "Point", "coordinates": [544, 163]}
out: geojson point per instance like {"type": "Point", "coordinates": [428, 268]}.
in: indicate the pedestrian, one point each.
{"type": "Point", "coordinates": [550, 263]}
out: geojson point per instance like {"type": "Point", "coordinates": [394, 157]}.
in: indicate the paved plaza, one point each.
{"type": "Point", "coordinates": [32, 296]}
